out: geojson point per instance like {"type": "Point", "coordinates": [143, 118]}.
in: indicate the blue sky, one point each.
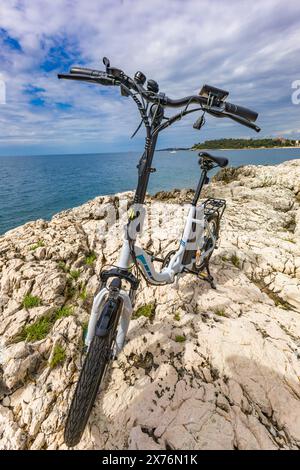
{"type": "Point", "coordinates": [250, 48]}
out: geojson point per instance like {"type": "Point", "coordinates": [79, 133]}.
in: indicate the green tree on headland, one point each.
{"type": "Point", "coordinates": [244, 143]}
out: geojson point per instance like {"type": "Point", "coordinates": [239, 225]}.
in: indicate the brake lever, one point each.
{"type": "Point", "coordinates": [242, 121]}
{"type": "Point", "coordinates": [222, 114]}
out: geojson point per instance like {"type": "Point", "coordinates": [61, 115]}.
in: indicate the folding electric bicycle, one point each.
{"type": "Point", "coordinates": [113, 305]}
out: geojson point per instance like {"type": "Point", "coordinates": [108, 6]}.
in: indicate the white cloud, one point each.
{"type": "Point", "coordinates": [249, 47]}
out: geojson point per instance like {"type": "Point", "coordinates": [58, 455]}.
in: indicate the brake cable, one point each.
{"type": "Point", "coordinates": [140, 124]}
{"type": "Point", "coordinates": [137, 129]}
{"type": "Point", "coordinates": [188, 103]}
{"type": "Point", "coordinates": [176, 117]}
{"type": "Point", "coordinates": [141, 109]}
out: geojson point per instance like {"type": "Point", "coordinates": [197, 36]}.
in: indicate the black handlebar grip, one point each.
{"type": "Point", "coordinates": [88, 72]}
{"type": "Point", "coordinates": [81, 71]}
{"type": "Point", "coordinates": [102, 79]}
{"type": "Point", "coordinates": [240, 111]}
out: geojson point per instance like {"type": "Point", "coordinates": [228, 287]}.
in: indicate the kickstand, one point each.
{"type": "Point", "coordinates": [208, 278]}
{"type": "Point", "coordinates": [175, 284]}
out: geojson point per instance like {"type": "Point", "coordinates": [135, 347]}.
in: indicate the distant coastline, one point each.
{"type": "Point", "coordinates": [239, 144]}
{"type": "Point", "coordinates": [245, 148]}
{"type": "Point", "coordinates": [194, 149]}
{"type": "Point", "coordinates": [244, 144]}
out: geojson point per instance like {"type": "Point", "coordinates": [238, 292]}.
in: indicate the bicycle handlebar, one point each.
{"type": "Point", "coordinates": [100, 78]}
{"type": "Point", "coordinates": [245, 113]}
{"type": "Point", "coordinates": [115, 76]}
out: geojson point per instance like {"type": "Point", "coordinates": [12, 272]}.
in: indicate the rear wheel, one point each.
{"type": "Point", "coordinates": [91, 376]}
{"type": "Point", "coordinates": [211, 235]}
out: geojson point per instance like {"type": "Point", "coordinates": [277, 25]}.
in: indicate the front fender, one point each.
{"type": "Point", "coordinates": [109, 316]}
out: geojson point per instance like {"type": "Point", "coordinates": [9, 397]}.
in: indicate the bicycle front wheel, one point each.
{"type": "Point", "coordinates": [91, 376]}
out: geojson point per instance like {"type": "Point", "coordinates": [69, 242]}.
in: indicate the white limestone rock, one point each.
{"type": "Point", "coordinates": [232, 383]}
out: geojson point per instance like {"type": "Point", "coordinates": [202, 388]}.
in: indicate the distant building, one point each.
{"type": "Point", "coordinates": [282, 140]}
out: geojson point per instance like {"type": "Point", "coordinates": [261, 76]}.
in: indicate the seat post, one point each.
{"type": "Point", "coordinates": [205, 167]}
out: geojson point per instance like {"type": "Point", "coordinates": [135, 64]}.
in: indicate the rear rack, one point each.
{"type": "Point", "coordinates": [214, 206]}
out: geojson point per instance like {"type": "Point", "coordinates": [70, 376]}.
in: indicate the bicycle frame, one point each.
{"type": "Point", "coordinates": [191, 240]}
{"type": "Point", "coordinates": [179, 262]}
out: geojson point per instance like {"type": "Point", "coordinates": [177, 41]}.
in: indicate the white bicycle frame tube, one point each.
{"type": "Point", "coordinates": [144, 260]}
{"type": "Point", "coordinates": [175, 266]}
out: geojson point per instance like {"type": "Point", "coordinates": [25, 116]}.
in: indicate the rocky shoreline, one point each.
{"type": "Point", "coordinates": [202, 369]}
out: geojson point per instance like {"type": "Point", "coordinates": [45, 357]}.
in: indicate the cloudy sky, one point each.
{"type": "Point", "coordinates": [250, 48]}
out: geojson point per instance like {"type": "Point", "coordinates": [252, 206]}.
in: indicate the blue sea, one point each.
{"type": "Point", "coordinates": [33, 187]}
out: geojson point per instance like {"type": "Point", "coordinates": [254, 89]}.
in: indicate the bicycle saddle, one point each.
{"type": "Point", "coordinates": [220, 161]}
